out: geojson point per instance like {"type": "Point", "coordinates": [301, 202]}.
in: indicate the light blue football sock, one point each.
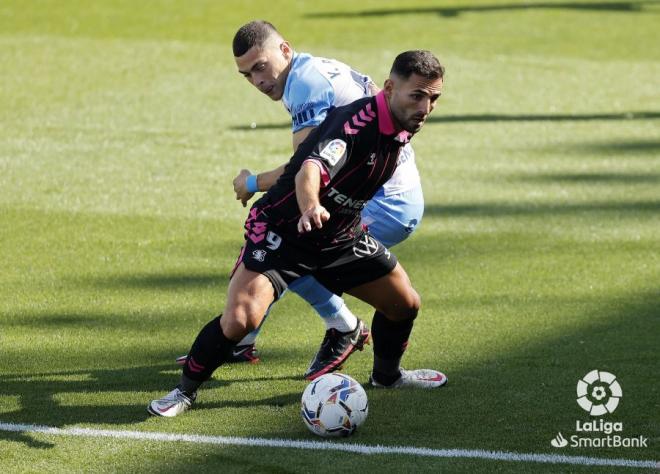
{"type": "Point", "coordinates": [329, 306]}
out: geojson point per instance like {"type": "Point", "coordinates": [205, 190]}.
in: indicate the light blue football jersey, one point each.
{"type": "Point", "coordinates": [316, 85]}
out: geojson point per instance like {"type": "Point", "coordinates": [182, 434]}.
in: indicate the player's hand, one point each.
{"type": "Point", "coordinates": [240, 187]}
{"type": "Point", "coordinates": [312, 218]}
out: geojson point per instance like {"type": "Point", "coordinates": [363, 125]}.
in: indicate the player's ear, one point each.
{"type": "Point", "coordinates": [285, 47]}
{"type": "Point", "coordinates": [388, 87]}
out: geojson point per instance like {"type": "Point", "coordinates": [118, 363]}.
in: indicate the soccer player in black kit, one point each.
{"type": "Point", "coordinates": [309, 223]}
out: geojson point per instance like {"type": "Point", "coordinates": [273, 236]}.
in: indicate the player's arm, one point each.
{"type": "Point", "coordinates": [245, 187]}
{"type": "Point", "coordinates": [308, 185]}
{"type": "Point", "coordinates": [313, 93]}
{"type": "Point", "coordinates": [246, 184]}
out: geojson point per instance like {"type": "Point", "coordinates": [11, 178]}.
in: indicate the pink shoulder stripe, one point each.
{"type": "Point", "coordinates": [357, 122]}
{"type": "Point", "coordinates": [348, 130]}
{"type": "Point", "coordinates": [364, 116]}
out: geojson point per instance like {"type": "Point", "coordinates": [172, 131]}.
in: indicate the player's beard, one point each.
{"type": "Point", "coordinates": [412, 123]}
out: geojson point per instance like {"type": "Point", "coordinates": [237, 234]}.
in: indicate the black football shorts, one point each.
{"type": "Point", "coordinates": [282, 260]}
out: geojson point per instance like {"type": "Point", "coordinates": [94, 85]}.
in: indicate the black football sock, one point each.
{"type": "Point", "coordinates": [390, 339]}
{"type": "Point", "coordinates": [188, 386]}
{"type": "Point", "coordinates": [209, 351]}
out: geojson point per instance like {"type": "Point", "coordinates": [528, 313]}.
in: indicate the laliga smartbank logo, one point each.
{"type": "Point", "coordinates": [599, 394]}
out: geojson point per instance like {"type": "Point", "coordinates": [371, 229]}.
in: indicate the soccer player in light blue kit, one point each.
{"type": "Point", "coordinates": [309, 87]}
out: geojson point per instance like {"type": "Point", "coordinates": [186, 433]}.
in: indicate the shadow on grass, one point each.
{"type": "Point", "coordinates": [37, 392]}
{"type": "Point", "coordinates": [26, 439]}
{"type": "Point", "coordinates": [518, 396]}
{"type": "Point", "coordinates": [485, 209]}
{"type": "Point", "coordinates": [639, 115]}
{"type": "Point", "coordinates": [536, 380]}
{"type": "Point", "coordinates": [531, 380]}
{"type": "Point", "coordinates": [526, 393]}
{"type": "Point", "coordinates": [262, 128]}
{"type": "Point", "coordinates": [90, 320]}
{"type": "Point", "coordinates": [627, 147]}
{"type": "Point", "coordinates": [38, 396]}
{"type": "Point", "coordinates": [164, 281]}
{"type": "Point", "coordinates": [454, 11]}
{"type": "Point", "coordinates": [591, 178]}
{"type": "Point", "coordinates": [476, 118]}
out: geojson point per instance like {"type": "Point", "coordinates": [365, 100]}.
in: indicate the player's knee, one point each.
{"type": "Point", "coordinates": [251, 314]}
{"type": "Point", "coordinates": [414, 303]}
{"type": "Point", "coordinates": [243, 318]}
{"type": "Point", "coordinates": [408, 306]}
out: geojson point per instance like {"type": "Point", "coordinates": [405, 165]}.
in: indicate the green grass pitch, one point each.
{"type": "Point", "coordinates": [122, 124]}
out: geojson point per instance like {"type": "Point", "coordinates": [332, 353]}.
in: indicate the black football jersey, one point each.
{"type": "Point", "coordinates": [356, 149]}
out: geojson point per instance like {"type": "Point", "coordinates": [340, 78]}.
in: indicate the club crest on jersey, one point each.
{"type": "Point", "coordinates": [259, 255]}
{"type": "Point", "coordinates": [333, 151]}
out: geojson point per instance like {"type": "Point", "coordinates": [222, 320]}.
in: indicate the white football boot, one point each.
{"type": "Point", "coordinates": [420, 378]}
{"type": "Point", "coordinates": [172, 404]}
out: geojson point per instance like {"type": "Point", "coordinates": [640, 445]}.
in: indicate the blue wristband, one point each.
{"type": "Point", "coordinates": [251, 184]}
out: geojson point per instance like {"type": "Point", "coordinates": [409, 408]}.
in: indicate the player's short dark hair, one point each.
{"type": "Point", "coordinates": [420, 62]}
{"type": "Point", "coordinates": [252, 34]}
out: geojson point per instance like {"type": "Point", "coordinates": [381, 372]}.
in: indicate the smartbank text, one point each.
{"type": "Point", "coordinates": [609, 441]}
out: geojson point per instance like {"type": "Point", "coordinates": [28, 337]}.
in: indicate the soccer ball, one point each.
{"type": "Point", "coordinates": [334, 405]}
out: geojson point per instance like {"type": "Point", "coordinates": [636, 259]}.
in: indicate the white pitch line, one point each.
{"type": "Point", "coordinates": [330, 446]}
